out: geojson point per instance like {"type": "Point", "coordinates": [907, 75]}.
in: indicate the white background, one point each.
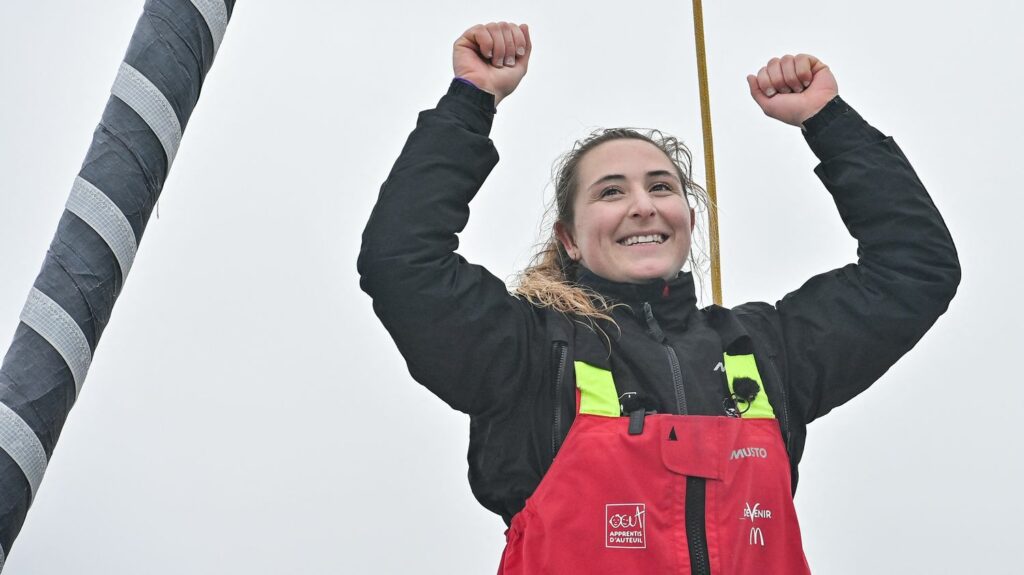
{"type": "Point", "coordinates": [246, 413]}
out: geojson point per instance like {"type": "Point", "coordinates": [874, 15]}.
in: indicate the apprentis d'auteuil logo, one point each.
{"type": "Point", "coordinates": [625, 525]}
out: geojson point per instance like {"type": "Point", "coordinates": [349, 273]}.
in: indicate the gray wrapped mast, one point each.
{"type": "Point", "coordinates": [156, 89]}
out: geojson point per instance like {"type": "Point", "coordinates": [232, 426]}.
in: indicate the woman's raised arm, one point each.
{"type": "Point", "coordinates": [843, 329]}
{"type": "Point", "coordinates": [462, 334]}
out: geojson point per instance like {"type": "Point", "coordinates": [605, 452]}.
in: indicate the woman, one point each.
{"type": "Point", "coordinates": [678, 430]}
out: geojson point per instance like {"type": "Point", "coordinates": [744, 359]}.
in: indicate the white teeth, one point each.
{"type": "Point", "coordinates": [652, 238]}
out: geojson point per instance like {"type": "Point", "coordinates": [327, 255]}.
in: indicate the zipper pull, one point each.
{"type": "Point", "coordinates": [652, 324]}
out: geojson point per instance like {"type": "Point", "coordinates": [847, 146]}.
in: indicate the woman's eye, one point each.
{"type": "Point", "coordinates": [662, 187]}
{"type": "Point", "coordinates": [610, 192]}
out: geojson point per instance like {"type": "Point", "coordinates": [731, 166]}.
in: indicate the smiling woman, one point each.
{"type": "Point", "coordinates": [644, 451]}
{"type": "Point", "coordinates": [622, 206]}
{"type": "Point", "coordinates": [550, 280]}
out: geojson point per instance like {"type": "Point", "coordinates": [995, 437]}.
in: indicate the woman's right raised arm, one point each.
{"type": "Point", "coordinates": [462, 334]}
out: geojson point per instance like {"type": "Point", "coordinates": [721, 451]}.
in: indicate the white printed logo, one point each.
{"type": "Point", "coordinates": [720, 367]}
{"type": "Point", "coordinates": [755, 512]}
{"type": "Point", "coordinates": [756, 536]}
{"type": "Point", "coordinates": [625, 525]}
{"type": "Point", "coordinates": [749, 452]}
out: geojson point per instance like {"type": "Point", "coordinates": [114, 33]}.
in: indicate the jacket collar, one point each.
{"type": "Point", "coordinates": [674, 300]}
{"type": "Point", "coordinates": [679, 289]}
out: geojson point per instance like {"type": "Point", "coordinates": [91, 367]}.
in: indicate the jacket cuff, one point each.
{"type": "Point", "coordinates": [833, 109]}
{"type": "Point", "coordinates": [837, 128]}
{"type": "Point", "coordinates": [470, 104]}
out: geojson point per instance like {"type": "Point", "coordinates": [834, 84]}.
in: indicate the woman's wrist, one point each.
{"type": "Point", "coordinates": [485, 98]}
{"type": "Point", "coordinates": [824, 116]}
{"type": "Point", "coordinates": [497, 97]}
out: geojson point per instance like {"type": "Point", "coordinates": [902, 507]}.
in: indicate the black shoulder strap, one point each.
{"type": "Point", "coordinates": [736, 340]}
{"type": "Point", "coordinates": [570, 341]}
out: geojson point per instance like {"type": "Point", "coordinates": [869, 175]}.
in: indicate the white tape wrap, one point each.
{"type": "Point", "coordinates": [96, 209]}
{"type": "Point", "coordinates": [216, 15]}
{"type": "Point", "coordinates": [21, 443]}
{"type": "Point", "coordinates": [149, 102]}
{"type": "Point", "coordinates": [50, 321]}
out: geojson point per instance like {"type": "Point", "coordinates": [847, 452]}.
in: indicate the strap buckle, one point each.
{"type": "Point", "coordinates": [635, 405]}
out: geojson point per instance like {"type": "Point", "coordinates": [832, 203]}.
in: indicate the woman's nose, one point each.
{"type": "Point", "coordinates": [642, 206]}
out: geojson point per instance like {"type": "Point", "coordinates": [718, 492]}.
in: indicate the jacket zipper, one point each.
{"type": "Point", "coordinates": [696, 534]}
{"type": "Point", "coordinates": [696, 487]}
{"type": "Point", "coordinates": [560, 351]}
{"type": "Point", "coordinates": [785, 402]}
{"type": "Point", "coordinates": [786, 429]}
{"type": "Point", "coordinates": [673, 360]}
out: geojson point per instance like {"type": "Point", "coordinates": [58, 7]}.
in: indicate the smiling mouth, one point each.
{"type": "Point", "coordinates": [646, 239]}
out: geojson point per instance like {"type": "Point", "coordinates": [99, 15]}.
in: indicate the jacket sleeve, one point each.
{"type": "Point", "coordinates": [462, 334]}
{"type": "Point", "coordinates": [843, 329]}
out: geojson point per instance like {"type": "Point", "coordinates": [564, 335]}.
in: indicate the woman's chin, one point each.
{"type": "Point", "coordinates": [648, 274]}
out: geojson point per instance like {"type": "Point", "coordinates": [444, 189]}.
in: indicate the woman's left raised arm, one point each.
{"type": "Point", "coordinates": [843, 329]}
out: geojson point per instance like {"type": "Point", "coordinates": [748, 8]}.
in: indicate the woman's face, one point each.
{"type": "Point", "coordinates": [632, 222]}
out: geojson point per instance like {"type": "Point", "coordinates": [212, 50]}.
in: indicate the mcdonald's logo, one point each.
{"type": "Point", "coordinates": [756, 536]}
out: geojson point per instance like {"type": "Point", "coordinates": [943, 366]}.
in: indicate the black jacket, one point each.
{"type": "Point", "coordinates": [491, 355]}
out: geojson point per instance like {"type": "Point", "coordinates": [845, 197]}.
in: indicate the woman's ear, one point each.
{"type": "Point", "coordinates": [564, 235]}
{"type": "Point", "coordinates": [693, 220]}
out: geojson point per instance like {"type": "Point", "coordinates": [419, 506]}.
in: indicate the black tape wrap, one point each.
{"type": "Point", "coordinates": [159, 83]}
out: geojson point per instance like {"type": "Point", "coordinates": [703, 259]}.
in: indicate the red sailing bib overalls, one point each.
{"type": "Point", "coordinates": [687, 494]}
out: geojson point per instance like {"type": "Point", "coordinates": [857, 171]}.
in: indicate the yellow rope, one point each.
{"type": "Point", "coordinates": [709, 153]}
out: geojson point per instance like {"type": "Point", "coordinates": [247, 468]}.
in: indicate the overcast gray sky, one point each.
{"type": "Point", "coordinates": [246, 413]}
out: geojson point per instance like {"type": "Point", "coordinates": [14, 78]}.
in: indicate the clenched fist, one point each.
{"type": "Point", "coordinates": [493, 56]}
{"type": "Point", "coordinates": [791, 89]}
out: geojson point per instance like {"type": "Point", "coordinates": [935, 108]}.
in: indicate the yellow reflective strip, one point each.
{"type": "Point", "coordinates": [737, 366]}
{"type": "Point", "coordinates": [597, 390]}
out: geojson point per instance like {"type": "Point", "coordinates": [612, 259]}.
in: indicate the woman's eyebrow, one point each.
{"type": "Point", "coordinates": [608, 178]}
{"type": "Point", "coordinates": [662, 174]}
{"type": "Point", "coordinates": [620, 177]}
